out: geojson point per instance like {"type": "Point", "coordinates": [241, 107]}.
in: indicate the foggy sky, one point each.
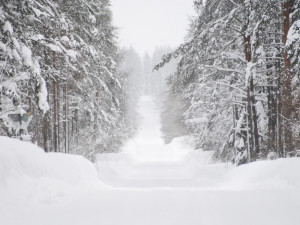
{"type": "Point", "coordinates": [145, 24]}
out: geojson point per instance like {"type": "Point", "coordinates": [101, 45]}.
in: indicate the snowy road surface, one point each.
{"type": "Point", "coordinates": [149, 184]}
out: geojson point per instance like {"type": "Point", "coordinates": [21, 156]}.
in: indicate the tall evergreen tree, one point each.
{"type": "Point", "coordinates": [235, 71]}
{"type": "Point", "coordinates": [59, 61]}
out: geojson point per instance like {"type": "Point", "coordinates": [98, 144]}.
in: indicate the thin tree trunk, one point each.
{"type": "Point", "coordinates": [77, 126]}
{"type": "Point", "coordinates": [46, 117]}
{"type": "Point", "coordinates": [55, 116]}
{"type": "Point", "coordinates": [272, 118]}
{"type": "Point", "coordinates": [252, 115]}
{"type": "Point", "coordinates": [58, 114]}
{"type": "Point", "coordinates": [95, 118]}
{"type": "Point", "coordinates": [278, 114]}
{"type": "Point", "coordinates": [66, 120]}
{"type": "Point", "coordinates": [287, 106]}
{"type": "Point", "coordinates": [254, 120]}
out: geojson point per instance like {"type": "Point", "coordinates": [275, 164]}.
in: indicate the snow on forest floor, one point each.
{"type": "Point", "coordinates": [149, 183]}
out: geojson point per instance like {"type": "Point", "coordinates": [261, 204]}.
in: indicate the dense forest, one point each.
{"type": "Point", "coordinates": [238, 78]}
{"type": "Point", "coordinates": [59, 62]}
{"type": "Point", "coordinates": [233, 84]}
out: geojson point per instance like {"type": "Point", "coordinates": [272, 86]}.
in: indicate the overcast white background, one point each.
{"type": "Point", "coordinates": [145, 24]}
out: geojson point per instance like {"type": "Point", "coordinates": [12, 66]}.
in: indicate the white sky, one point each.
{"type": "Point", "coordinates": [145, 24]}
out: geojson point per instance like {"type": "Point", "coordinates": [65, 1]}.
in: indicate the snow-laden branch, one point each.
{"type": "Point", "coordinates": [224, 69]}
{"type": "Point", "coordinates": [233, 2]}
{"type": "Point", "coordinates": [231, 86]}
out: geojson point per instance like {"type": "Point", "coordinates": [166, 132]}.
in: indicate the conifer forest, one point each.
{"type": "Point", "coordinates": [60, 62]}
{"type": "Point", "coordinates": [236, 86]}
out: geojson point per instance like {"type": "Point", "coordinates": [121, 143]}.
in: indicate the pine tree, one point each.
{"type": "Point", "coordinates": [231, 71]}
{"type": "Point", "coordinates": [59, 61]}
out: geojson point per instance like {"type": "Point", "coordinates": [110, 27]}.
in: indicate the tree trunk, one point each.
{"type": "Point", "coordinates": [55, 133]}
{"type": "Point", "coordinates": [287, 106]}
{"type": "Point", "coordinates": [77, 126]}
{"type": "Point", "coordinates": [66, 117]}
{"type": "Point", "coordinates": [95, 117]}
{"type": "Point", "coordinates": [272, 117]}
{"type": "Point", "coordinates": [58, 114]}
{"type": "Point", "coordinates": [254, 120]}
{"type": "Point", "coordinates": [278, 118]}
{"type": "Point", "coordinates": [252, 114]}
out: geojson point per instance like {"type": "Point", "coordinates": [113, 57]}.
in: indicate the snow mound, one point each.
{"type": "Point", "coordinates": [20, 160]}
{"type": "Point", "coordinates": [29, 176]}
{"type": "Point", "coordinates": [278, 174]}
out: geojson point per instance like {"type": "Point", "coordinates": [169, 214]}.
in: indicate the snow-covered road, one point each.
{"type": "Point", "coordinates": [147, 162]}
{"type": "Point", "coordinates": [169, 207]}
{"type": "Point", "coordinates": [158, 184]}
{"type": "Point", "coordinates": [149, 183]}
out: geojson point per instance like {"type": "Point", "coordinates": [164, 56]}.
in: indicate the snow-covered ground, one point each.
{"type": "Point", "coordinates": [149, 183]}
{"type": "Point", "coordinates": [148, 144]}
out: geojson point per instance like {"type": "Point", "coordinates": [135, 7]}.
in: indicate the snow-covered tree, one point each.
{"type": "Point", "coordinates": [233, 72]}
{"type": "Point", "coordinates": [59, 61]}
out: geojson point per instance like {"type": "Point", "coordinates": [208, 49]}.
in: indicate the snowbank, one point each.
{"type": "Point", "coordinates": [29, 176]}
{"type": "Point", "coordinates": [20, 159]}
{"type": "Point", "coordinates": [281, 174]}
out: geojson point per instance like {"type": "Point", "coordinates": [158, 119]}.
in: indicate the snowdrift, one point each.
{"type": "Point", "coordinates": [280, 174]}
{"type": "Point", "coordinates": [21, 160]}
{"type": "Point", "coordinates": [27, 167]}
